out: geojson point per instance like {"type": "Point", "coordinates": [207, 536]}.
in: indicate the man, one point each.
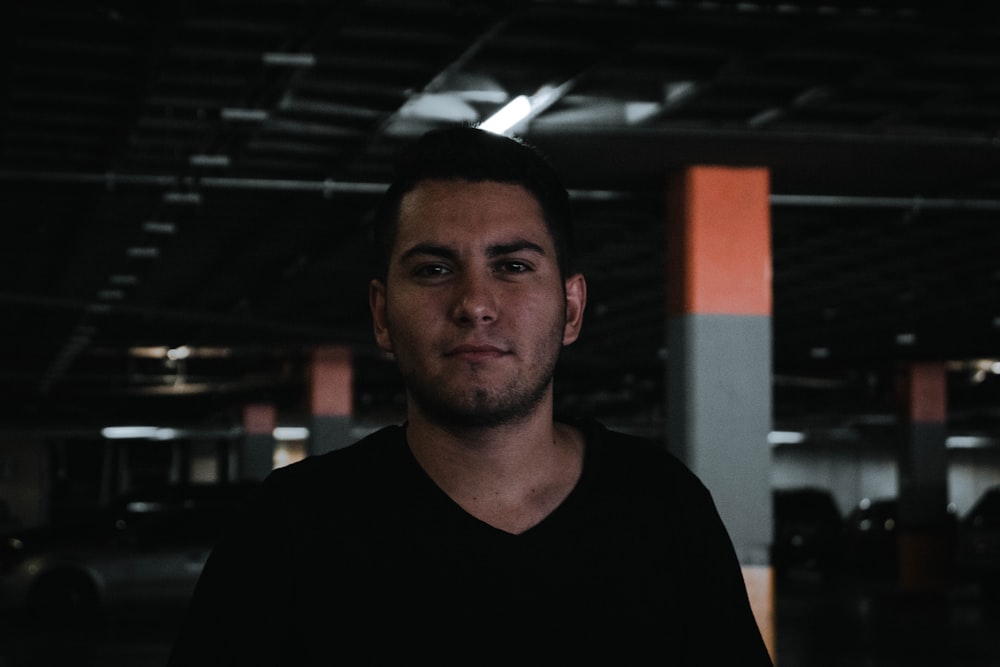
{"type": "Point", "coordinates": [482, 529]}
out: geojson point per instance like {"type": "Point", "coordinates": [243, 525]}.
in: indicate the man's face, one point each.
{"type": "Point", "coordinates": [473, 306]}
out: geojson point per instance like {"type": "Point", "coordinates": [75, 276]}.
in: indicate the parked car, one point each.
{"type": "Point", "coordinates": [807, 529]}
{"type": "Point", "coordinates": [870, 539]}
{"type": "Point", "coordinates": [146, 549]}
{"type": "Point", "coordinates": [978, 553]}
{"type": "Point", "coordinates": [872, 534]}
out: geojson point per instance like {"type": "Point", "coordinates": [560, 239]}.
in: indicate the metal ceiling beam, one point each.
{"type": "Point", "coordinates": [329, 186]}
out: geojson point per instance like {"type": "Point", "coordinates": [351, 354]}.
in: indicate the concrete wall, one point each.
{"type": "Point", "coordinates": [857, 470]}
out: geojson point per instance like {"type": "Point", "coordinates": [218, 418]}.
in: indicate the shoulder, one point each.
{"type": "Point", "coordinates": [617, 448]}
{"type": "Point", "coordinates": [346, 470]}
{"type": "Point", "coordinates": [642, 484]}
{"type": "Point", "coordinates": [637, 462]}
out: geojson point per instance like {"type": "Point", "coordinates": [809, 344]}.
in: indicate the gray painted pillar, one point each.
{"type": "Point", "coordinates": [925, 531]}
{"type": "Point", "coordinates": [719, 364]}
{"type": "Point", "coordinates": [719, 415]}
{"type": "Point", "coordinates": [329, 432]}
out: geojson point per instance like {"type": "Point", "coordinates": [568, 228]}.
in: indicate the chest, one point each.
{"type": "Point", "coordinates": [575, 563]}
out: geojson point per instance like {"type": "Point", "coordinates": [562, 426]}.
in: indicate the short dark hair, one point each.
{"type": "Point", "coordinates": [464, 152]}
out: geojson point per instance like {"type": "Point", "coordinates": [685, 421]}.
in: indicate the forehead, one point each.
{"type": "Point", "coordinates": [453, 210]}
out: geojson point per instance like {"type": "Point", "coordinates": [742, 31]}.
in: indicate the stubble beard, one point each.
{"type": "Point", "coordinates": [479, 407]}
{"type": "Point", "coordinates": [484, 406]}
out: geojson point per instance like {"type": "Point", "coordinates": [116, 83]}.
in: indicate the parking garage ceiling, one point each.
{"type": "Point", "coordinates": [187, 187]}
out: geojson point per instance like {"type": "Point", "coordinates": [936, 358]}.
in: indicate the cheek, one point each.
{"type": "Point", "coordinates": [408, 320]}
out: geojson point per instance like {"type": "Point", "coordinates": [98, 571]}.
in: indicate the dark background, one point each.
{"type": "Point", "coordinates": [202, 174]}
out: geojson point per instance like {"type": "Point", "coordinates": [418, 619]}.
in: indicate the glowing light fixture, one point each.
{"type": "Point", "coordinates": [291, 433]}
{"type": "Point", "coordinates": [178, 353]}
{"type": "Point", "coordinates": [281, 59]}
{"type": "Point", "coordinates": [523, 107]}
{"type": "Point", "coordinates": [245, 115]}
{"type": "Point", "coordinates": [142, 252]}
{"type": "Point", "coordinates": [968, 442]}
{"type": "Point", "coordinates": [207, 160]}
{"type": "Point", "coordinates": [181, 198]}
{"type": "Point", "coordinates": [159, 227]}
{"type": "Point", "coordinates": [140, 433]}
{"type": "Point", "coordinates": [508, 116]}
{"type": "Point", "coordinates": [127, 432]}
{"type": "Point", "coordinates": [785, 437]}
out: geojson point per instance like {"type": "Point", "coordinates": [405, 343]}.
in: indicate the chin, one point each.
{"type": "Point", "coordinates": [479, 411]}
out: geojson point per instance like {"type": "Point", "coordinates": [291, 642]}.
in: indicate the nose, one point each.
{"type": "Point", "coordinates": [475, 301]}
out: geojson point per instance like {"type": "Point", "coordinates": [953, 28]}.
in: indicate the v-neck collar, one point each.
{"type": "Point", "coordinates": [552, 519]}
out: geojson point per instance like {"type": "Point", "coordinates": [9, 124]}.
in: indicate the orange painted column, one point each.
{"type": "Point", "coordinates": [719, 303]}
{"type": "Point", "coordinates": [331, 398]}
{"type": "Point", "coordinates": [256, 458]}
{"type": "Point", "coordinates": [925, 531]}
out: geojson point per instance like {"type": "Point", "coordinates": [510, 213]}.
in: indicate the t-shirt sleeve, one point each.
{"type": "Point", "coordinates": [241, 594]}
{"type": "Point", "coordinates": [722, 628]}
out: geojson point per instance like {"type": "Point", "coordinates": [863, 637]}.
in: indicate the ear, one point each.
{"type": "Point", "coordinates": [376, 301]}
{"type": "Point", "coordinates": [576, 303]}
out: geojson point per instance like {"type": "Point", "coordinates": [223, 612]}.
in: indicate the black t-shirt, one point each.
{"type": "Point", "coordinates": [357, 556]}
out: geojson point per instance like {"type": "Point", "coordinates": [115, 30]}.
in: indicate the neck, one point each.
{"type": "Point", "coordinates": [510, 476]}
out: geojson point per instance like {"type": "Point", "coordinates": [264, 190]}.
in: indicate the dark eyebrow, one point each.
{"type": "Point", "coordinates": [496, 250]}
{"type": "Point", "coordinates": [514, 246]}
{"type": "Point", "coordinates": [432, 249]}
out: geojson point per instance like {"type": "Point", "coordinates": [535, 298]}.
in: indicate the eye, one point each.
{"type": "Point", "coordinates": [431, 271]}
{"type": "Point", "coordinates": [514, 266]}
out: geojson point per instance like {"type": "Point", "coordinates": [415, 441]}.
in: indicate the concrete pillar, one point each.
{"type": "Point", "coordinates": [719, 366]}
{"type": "Point", "coordinates": [331, 399]}
{"type": "Point", "coordinates": [925, 530]}
{"type": "Point", "coordinates": [257, 455]}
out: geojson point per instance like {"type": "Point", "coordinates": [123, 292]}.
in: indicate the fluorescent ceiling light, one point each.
{"type": "Point", "coordinates": [249, 115]}
{"type": "Point", "coordinates": [439, 106]}
{"type": "Point", "coordinates": [523, 107]}
{"type": "Point", "coordinates": [676, 92]}
{"type": "Point", "coordinates": [291, 433]}
{"type": "Point", "coordinates": [178, 353]}
{"type": "Point", "coordinates": [140, 433]}
{"type": "Point", "coordinates": [507, 117]}
{"type": "Point", "coordinates": [143, 252]}
{"type": "Point", "coordinates": [968, 442]}
{"type": "Point", "coordinates": [182, 351]}
{"type": "Point", "coordinates": [205, 160]}
{"type": "Point", "coordinates": [158, 227]}
{"type": "Point", "coordinates": [785, 437]}
{"type": "Point", "coordinates": [144, 506]}
{"type": "Point", "coordinates": [182, 198]}
{"type": "Point", "coordinates": [127, 432]}
{"type": "Point", "coordinates": [289, 59]}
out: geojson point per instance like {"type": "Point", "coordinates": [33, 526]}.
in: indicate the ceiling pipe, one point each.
{"type": "Point", "coordinates": [330, 186]}
{"type": "Point", "coordinates": [112, 180]}
{"type": "Point", "coordinates": [912, 203]}
{"type": "Point", "coordinates": [307, 332]}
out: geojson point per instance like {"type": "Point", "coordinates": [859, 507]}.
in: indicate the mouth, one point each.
{"type": "Point", "coordinates": [471, 352]}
